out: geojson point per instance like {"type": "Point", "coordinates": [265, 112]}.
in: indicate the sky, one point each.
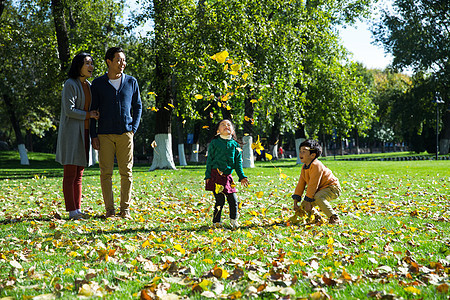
{"type": "Point", "coordinates": [359, 41]}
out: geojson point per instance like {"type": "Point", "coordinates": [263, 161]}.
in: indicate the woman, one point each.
{"type": "Point", "coordinates": [73, 146]}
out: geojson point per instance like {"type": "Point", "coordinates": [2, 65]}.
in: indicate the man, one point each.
{"type": "Point", "coordinates": [117, 99]}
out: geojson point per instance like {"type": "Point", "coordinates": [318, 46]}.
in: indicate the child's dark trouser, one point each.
{"type": "Point", "coordinates": [220, 202]}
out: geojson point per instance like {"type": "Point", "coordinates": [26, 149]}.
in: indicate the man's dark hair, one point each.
{"type": "Point", "coordinates": [314, 147]}
{"type": "Point", "coordinates": [77, 64]}
{"type": "Point", "coordinates": [111, 52]}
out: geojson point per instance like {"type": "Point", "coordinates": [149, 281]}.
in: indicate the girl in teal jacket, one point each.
{"type": "Point", "coordinates": [224, 156]}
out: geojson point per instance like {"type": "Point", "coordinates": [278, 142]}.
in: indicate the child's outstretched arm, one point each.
{"type": "Point", "coordinates": [244, 182]}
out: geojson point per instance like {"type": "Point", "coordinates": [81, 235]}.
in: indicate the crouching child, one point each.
{"type": "Point", "coordinates": [320, 183]}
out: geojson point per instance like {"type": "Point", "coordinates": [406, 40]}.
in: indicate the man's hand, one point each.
{"type": "Point", "coordinates": [95, 143]}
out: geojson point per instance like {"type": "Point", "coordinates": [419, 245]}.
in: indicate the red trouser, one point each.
{"type": "Point", "coordinates": [72, 186]}
{"type": "Point", "coordinates": [72, 180]}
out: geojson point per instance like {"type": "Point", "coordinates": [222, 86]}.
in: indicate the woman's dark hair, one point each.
{"type": "Point", "coordinates": [233, 136]}
{"type": "Point", "coordinates": [77, 64]}
{"type": "Point", "coordinates": [314, 147]}
{"type": "Point", "coordinates": [111, 52]}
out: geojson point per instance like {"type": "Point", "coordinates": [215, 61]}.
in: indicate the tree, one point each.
{"type": "Point", "coordinates": [417, 33]}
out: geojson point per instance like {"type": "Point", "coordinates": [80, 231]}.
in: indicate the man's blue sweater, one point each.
{"type": "Point", "coordinates": [120, 110]}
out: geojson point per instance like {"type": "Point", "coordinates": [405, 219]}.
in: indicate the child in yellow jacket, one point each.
{"type": "Point", "coordinates": [321, 185]}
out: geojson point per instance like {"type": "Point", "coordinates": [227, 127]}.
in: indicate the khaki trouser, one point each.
{"type": "Point", "coordinates": [121, 146]}
{"type": "Point", "coordinates": [323, 196]}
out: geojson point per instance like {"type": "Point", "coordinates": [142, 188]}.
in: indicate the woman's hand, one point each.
{"type": "Point", "coordinates": [94, 114]}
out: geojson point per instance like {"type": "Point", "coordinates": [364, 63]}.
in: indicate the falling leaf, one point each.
{"type": "Point", "coordinates": [236, 67]}
{"type": "Point", "coordinates": [219, 188]}
{"type": "Point", "coordinates": [228, 107]}
{"type": "Point", "coordinates": [205, 127]}
{"type": "Point", "coordinates": [198, 96]}
{"type": "Point", "coordinates": [221, 56]}
{"type": "Point", "coordinates": [151, 93]}
{"type": "Point", "coordinates": [268, 156]}
{"type": "Point", "coordinates": [171, 105]}
{"type": "Point", "coordinates": [257, 146]}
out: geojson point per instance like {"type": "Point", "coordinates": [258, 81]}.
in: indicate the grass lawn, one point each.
{"type": "Point", "coordinates": [394, 243]}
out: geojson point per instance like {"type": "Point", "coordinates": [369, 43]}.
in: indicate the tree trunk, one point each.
{"type": "Point", "coordinates": [195, 144]}
{"type": "Point", "coordinates": [61, 33]}
{"type": "Point", "coordinates": [180, 138]}
{"type": "Point", "coordinates": [444, 143]}
{"type": "Point", "coordinates": [2, 6]}
{"type": "Point", "coordinates": [324, 147]}
{"type": "Point", "coordinates": [162, 154]}
{"type": "Point", "coordinates": [300, 137]}
{"type": "Point", "coordinates": [247, 154]}
{"type": "Point", "coordinates": [16, 126]}
{"type": "Point", "coordinates": [275, 136]}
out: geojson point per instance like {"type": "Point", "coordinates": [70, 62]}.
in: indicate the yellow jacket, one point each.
{"type": "Point", "coordinates": [316, 176]}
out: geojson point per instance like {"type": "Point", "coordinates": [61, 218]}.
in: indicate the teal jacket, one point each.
{"type": "Point", "coordinates": [225, 155]}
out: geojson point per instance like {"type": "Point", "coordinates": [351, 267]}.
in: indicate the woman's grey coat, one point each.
{"type": "Point", "coordinates": [70, 145]}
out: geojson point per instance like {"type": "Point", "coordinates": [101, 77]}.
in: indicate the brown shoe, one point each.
{"type": "Point", "coordinates": [110, 213]}
{"type": "Point", "coordinates": [334, 219]}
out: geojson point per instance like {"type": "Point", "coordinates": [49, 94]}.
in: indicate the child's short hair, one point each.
{"type": "Point", "coordinates": [314, 147]}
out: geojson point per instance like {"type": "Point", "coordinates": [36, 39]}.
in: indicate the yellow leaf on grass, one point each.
{"type": "Point", "coordinates": [220, 273]}
{"type": "Point", "coordinates": [208, 261]}
{"type": "Point", "coordinates": [330, 241]}
{"type": "Point", "coordinates": [225, 67]}
{"type": "Point", "coordinates": [179, 248]}
{"type": "Point", "coordinates": [283, 176]}
{"type": "Point", "coordinates": [145, 244]}
{"type": "Point", "coordinates": [245, 76]}
{"type": "Point", "coordinates": [198, 96]}
{"type": "Point", "coordinates": [234, 73]}
{"type": "Point", "coordinates": [68, 271]}
{"type": "Point", "coordinates": [228, 107]}
{"type": "Point", "coordinates": [411, 289]}
{"type": "Point", "coordinates": [259, 195]}
{"type": "Point", "coordinates": [205, 283]}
